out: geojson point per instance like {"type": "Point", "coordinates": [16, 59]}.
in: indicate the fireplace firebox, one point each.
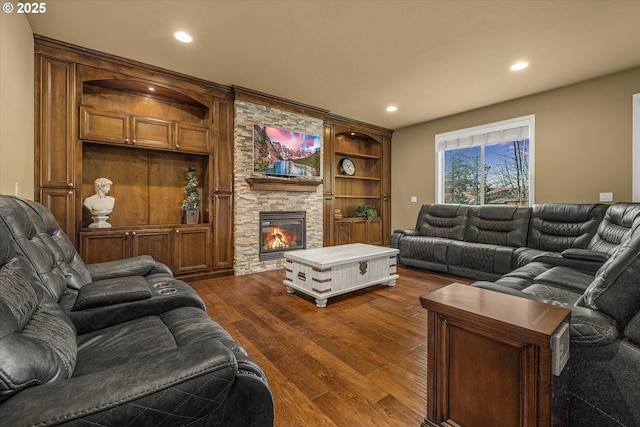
{"type": "Point", "coordinates": [281, 231]}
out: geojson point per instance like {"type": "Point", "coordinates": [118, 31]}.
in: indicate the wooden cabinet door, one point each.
{"type": "Point", "coordinates": [193, 138]}
{"type": "Point", "coordinates": [102, 246]}
{"type": "Point", "coordinates": [151, 132]}
{"type": "Point", "coordinates": [386, 191]}
{"type": "Point", "coordinates": [342, 230]}
{"type": "Point", "coordinates": [355, 230]}
{"type": "Point", "coordinates": [104, 126]}
{"type": "Point", "coordinates": [157, 243]}
{"type": "Point", "coordinates": [374, 232]}
{"type": "Point", "coordinates": [223, 231]}
{"type": "Point", "coordinates": [221, 164]}
{"type": "Point", "coordinates": [60, 202]}
{"type": "Point", "coordinates": [358, 231]}
{"type": "Point", "coordinates": [55, 103]}
{"type": "Point", "coordinates": [192, 249]}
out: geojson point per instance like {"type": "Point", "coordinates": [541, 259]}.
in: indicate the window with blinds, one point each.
{"type": "Point", "coordinates": [487, 164]}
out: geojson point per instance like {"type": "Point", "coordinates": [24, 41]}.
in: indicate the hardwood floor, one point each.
{"type": "Point", "coordinates": [360, 361]}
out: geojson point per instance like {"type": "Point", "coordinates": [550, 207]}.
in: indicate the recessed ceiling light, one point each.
{"type": "Point", "coordinates": [519, 66]}
{"type": "Point", "coordinates": [183, 37]}
{"type": "Point", "coordinates": [152, 89]}
{"type": "Point", "coordinates": [392, 108]}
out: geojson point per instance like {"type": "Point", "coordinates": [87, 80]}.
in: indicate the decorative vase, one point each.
{"type": "Point", "coordinates": [192, 216]}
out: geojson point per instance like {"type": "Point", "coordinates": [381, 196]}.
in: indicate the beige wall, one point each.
{"type": "Point", "coordinates": [16, 105]}
{"type": "Point", "coordinates": [583, 145]}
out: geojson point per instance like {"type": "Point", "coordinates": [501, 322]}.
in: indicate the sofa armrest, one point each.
{"type": "Point", "coordinates": [407, 232]}
{"type": "Point", "coordinates": [123, 394]}
{"type": "Point", "coordinates": [394, 242]}
{"type": "Point", "coordinates": [592, 327]}
{"type": "Point", "coordinates": [112, 291]}
{"type": "Point", "coordinates": [582, 259]}
{"type": "Point", "coordinates": [585, 255]}
{"type": "Point", "coordinates": [142, 265]}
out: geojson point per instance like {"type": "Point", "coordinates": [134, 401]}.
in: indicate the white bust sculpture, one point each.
{"type": "Point", "coordinates": [100, 205]}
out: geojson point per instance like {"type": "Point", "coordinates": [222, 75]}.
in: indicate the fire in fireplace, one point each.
{"type": "Point", "coordinates": [281, 231]}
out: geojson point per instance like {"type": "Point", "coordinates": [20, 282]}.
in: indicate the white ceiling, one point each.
{"type": "Point", "coordinates": [355, 57]}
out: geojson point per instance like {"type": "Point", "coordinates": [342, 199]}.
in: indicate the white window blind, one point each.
{"type": "Point", "coordinates": [495, 137]}
{"type": "Point", "coordinates": [495, 133]}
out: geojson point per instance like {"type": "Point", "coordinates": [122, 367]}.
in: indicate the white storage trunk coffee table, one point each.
{"type": "Point", "coordinates": [326, 272]}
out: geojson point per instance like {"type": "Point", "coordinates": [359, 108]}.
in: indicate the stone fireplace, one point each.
{"type": "Point", "coordinates": [250, 202]}
{"type": "Point", "coordinates": [281, 232]}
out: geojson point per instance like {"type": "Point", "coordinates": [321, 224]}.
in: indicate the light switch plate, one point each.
{"type": "Point", "coordinates": [414, 199]}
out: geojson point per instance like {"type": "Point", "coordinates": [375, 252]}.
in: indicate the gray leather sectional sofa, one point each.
{"type": "Point", "coordinates": [111, 344]}
{"type": "Point", "coordinates": [583, 256]}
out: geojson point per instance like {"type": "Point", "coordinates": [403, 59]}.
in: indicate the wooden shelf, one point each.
{"type": "Point", "coordinates": [358, 155]}
{"type": "Point", "coordinates": [282, 184]}
{"type": "Point", "coordinates": [365, 178]}
{"type": "Point", "coordinates": [355, 196]}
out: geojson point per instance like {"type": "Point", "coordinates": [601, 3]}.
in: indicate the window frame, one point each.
{"type": "Point", "coordinates": [479, 131]}
{"type": "Point", "coordinates": [635, 183]}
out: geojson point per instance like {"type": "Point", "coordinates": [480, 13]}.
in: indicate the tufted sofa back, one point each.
{"type": "Point", "coordinates": [444, 221]}
{"type": "Point", "coordinates": [46, 247]}
{"type": "Point", "coordinates": [615, 289]}
{"type": "Point", "coordinates": [498, 225]}
{"type": "Point", "coordinates": [559, 226]}
{"type": "Point", "coordinates": [37, 339]}
{"type": "Point", "coordinates": [616, 223]}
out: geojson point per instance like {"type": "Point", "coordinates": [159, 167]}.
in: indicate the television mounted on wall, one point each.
{"type": "Point", "coordinates": [282, 152]}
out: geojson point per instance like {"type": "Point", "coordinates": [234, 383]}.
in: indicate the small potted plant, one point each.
{"type": "Point", "coordinates": [191, 204]}
{"type": "Point", "coordinates": [366, 211]}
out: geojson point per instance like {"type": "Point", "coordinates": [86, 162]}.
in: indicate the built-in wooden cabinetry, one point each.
{"type": "Point", "coordinates": [369, 148]}
{"type": "Point", "coordinates": [141, 127]}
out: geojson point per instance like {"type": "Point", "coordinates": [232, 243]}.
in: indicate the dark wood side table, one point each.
{"type": "Point", "coordinates": [490, 357]}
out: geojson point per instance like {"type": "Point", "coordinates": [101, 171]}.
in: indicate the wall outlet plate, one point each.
{"type": "Point", "coordinates": [606, 197]}
{"type": "Point", "coordinates": [414, 199]}
{"type": "Point", "coordinates": [559, 349]}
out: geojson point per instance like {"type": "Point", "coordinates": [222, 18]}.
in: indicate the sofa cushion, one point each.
{"type": "Point", "coordinates": [444, 221]}
{"type": "Point", "coordinates": [558, 226]}
{"type": "Point", "coordinates": [429, 249]}
{"type": "Point", "coordinates": [37, 340]}
{"type": "Point", "coordinates": [146, 336]}
{"type": "Point", "coordinates": [498, 225]}
{"type": "Point", "coordinates": [551, 294]}
{"type": "Point", "coordinates": [479, 257]}
{"type": "Point", "coordinates": [632, 330]}
{"type": "Point", "coordinates": [566, 278]}
{"type": "Point", "coordinates": [46, 247]}
{"type": "Point", "coordinates": [523, 256]}
{"type": "Point", "coordinates": [615, 289]}
{"type": "Point", "coordinates": [617, 221]}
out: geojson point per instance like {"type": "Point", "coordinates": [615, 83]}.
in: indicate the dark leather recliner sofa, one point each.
{"type": "Point", "coordinates": [486, 242]}
{"type": "Point", "coordinates": [585, 257]}
{"type": "Point", "coordinates": [124, 353]}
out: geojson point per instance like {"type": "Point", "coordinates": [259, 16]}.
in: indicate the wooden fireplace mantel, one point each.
{"type": "Point", "coordinates": [267, 183]}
